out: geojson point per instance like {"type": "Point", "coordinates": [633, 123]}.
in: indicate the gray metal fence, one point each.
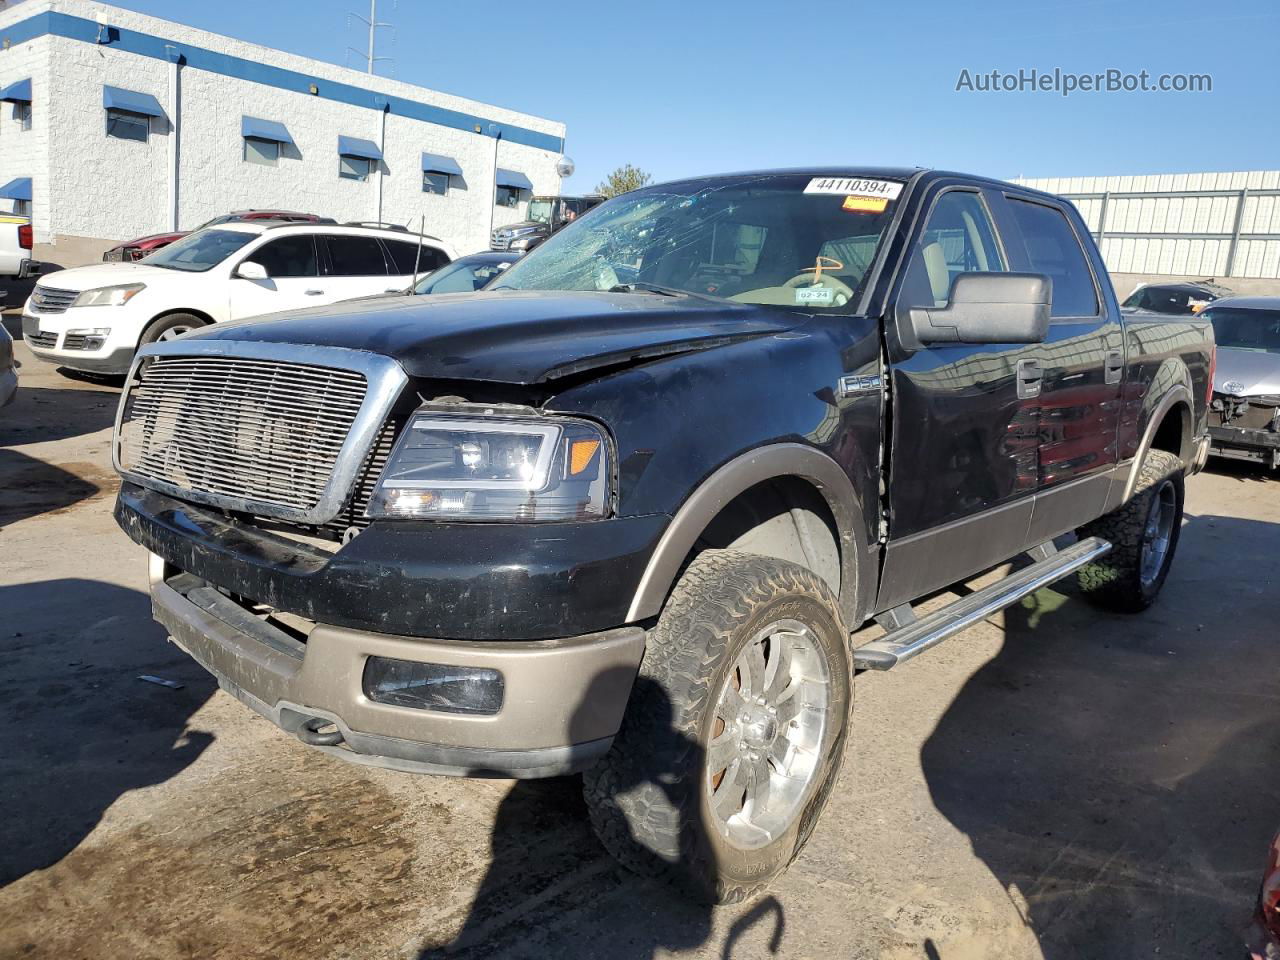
{"type": "Point", "coordinates": [1195, 224]}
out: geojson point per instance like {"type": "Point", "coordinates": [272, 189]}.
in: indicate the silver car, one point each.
{"type": "Point", "coordinates": [1244, 420]}
{"type": "Point", "coordinates": [8, 369]}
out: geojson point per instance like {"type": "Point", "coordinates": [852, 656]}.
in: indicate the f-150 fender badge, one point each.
{"type": "Point", "coordinates": [852, 385]}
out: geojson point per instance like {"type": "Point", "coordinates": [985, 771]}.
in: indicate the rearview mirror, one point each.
{"type": "Point", "coordinates": [988, 308]}
{"type": "Point", "coordinates": [252, 271]}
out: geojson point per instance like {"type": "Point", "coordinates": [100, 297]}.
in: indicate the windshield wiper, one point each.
{"type": "Point", "coordinates": [643, 286]}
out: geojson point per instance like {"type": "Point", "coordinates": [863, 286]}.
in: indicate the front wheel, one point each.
{"type": "Point", "coordinates": [170, 328]}
{"type": "Point", "coordinates": [734, 732]}
{"type": "Point", "coordinates": [1143, 535]}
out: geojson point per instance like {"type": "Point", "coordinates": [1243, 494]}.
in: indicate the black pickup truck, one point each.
{"type": "Point", "coordinates": [621, 514]}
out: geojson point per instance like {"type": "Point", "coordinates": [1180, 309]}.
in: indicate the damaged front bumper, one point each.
{"type": "Point", "coordinates": [561, 704]}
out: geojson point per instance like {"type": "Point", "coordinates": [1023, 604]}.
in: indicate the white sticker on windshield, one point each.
{"type": "Point", "coordinates": [816, 294]}
{"type": "Point", "coordinates": [855, 186]}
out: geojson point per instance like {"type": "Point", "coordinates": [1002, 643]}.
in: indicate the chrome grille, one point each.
{"type": "Point", "coordinates": [52, 299]}
{"type": "Point", "coordinates": [352, 514]}
{"type": "Point", "coordinates": [239, 431]}
{"type": "Point", "coordinates": [76, 341]}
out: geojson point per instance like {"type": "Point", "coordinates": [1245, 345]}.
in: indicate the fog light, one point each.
{"type": "Point", "coordinates": [433, 686]}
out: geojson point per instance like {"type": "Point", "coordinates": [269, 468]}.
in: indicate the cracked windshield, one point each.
{"type": "Point", "coordinates": [789, 241]}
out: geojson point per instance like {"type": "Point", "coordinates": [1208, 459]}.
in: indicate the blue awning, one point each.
{"type": "Point", "coordinates": [264, 130]}
{"type": "Point", "coordinates": [355, 147]}
{"type": "Point", "coordinates": [19, 92]}
{"type": "Point", "coordinates": [513, 178]}
{"type": "Point", "coordinates": [435, 163]}
{"type": "Point", "coordinates": [114, 98]}
{"type": "Point", "coordinates": [19, 189]}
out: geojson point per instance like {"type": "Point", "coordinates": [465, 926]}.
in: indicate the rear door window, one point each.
{"type": "Point", "coordinates": [356, 257]}
{"type": "Point", "coordinates": [288, 257]}
{"type": "Point", "coordinates": [1054, 250]}
{"type": "Point", "coordinates": [405, 255]}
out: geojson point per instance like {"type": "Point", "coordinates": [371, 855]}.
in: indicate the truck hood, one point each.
{"type": "Point", "coordinates": [1247, 373]}
{"type": "Point", "coordinates": [507, 229]}
{"type": "Point", "coordinates": [105, 275]}
{"type": "Point", "coordinates": [518, 337]}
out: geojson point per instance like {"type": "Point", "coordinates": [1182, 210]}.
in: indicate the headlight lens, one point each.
{"type": "Point", "coordinates": [108, 296]}
{"type": "Point", "coordinates": [495, 468]}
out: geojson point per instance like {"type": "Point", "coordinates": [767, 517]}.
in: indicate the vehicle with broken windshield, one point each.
{"type": "Point", "coordinates": [624, 511]}
{"type": "Point", "coordinates": [1244, 418]}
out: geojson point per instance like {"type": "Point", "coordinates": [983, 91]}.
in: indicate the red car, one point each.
{"type": "Point", "coordinates": [142, 246]}
{"type": "Point", "coordinates": [1264, 936]}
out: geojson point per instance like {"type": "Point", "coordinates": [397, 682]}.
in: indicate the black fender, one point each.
{"type": "Point", "coordinates": [738, 475]}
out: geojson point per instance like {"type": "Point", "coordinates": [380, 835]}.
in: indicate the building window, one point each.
{"type": "Point", "coordinates": [435, 182]}
{"type": "Point", "coordinates": [22, 113]}
{"type": "Point", "coordinates": [265, 153]}
{"type": "Point", "coordinates": [354, 168]}
{"type": "Point", "coordinates": [128, 126]}
{"type": "Point", "coordinates": [508, 196]}
{"type": "Point", "coordinates": [22, 208]}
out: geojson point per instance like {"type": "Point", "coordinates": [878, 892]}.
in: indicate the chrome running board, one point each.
{"type": "Point", "coordinates": [909, 637]}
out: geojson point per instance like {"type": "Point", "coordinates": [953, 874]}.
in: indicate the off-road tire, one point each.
{"type": "Point", "coordinates": [646, 796]}
{"type": "Point", "coordinates": [174, 321]}
{"type": "Point", "coordinates": [1114, 580]}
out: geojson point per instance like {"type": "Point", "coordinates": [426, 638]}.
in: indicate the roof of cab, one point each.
{"type": "Point", "coordinates": [1247, 303]}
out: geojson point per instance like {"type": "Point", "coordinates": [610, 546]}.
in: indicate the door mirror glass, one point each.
{"type": "Point", "coordinates": [251, 271]}
{"type": "Point", "coordinates": [985, 307]}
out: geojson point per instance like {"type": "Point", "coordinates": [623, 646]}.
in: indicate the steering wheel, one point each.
{"type": "Point", "coordinates": [843, 292]}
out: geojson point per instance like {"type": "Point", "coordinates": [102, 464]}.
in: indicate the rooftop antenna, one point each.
{"type": "Point", "coordinates": [373, 24]}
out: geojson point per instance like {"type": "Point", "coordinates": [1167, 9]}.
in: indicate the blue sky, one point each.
{"type": "Point", "coordinates": [690, 87]}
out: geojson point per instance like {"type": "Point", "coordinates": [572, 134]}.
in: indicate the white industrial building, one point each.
{"type": "Point", "coordinates": [115, 125]}
{"type": "Point", "coordinates": [1220, 225]}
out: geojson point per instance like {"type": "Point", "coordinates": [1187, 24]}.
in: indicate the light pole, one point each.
{"type": "Point", "coordinates": [496, 132]}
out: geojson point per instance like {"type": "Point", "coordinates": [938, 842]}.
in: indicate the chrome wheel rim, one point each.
{"type": "Point", "coordinates": [173, 333]}
{"type": "Point", "coordinates": [767, 735]}
{"type": "Point", "coordinates": [1157, 533]}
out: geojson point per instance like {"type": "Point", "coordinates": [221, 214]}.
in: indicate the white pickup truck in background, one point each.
{"type": "Point", "coordinates": [15, 247]}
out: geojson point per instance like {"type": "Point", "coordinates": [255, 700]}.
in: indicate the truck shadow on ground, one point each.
{"type": "Point", "coordinates": [551, 888]}
{"type": "Point", "coordinates": [32, 487]}
{"type": "Point", "coordinates": [46, 414]}
{"type": "Point", "coordinates": [1117, 774]}
{"type": "Point", "coordinates": [80, 728]}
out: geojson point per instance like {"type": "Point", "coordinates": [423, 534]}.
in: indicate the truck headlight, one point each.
{"type": "Point", "coordinates": [108, 296]}
{"type": "Point", "coordinates": [495, 467]}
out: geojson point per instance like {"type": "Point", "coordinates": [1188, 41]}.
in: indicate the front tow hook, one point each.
{"type": "Point", "coordinates": [309, 733]}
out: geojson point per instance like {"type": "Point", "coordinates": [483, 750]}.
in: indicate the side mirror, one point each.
{"type": "Point", "coordinates": [252, 271]}
{"type": "Point", "coordinates": [989, 308]}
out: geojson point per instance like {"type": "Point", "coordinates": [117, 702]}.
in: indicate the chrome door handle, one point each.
{"type": "Point", "coordinates": [1115, 365]}
{"type": "Point", "coordinates": [1030, 374]}
{"type": "Point", "coordinates": [313, 293]}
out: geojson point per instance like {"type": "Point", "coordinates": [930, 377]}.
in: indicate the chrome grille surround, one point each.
{"type": "Point", "coordinates": [291, 427]}
{"type": "Point", "coordinates": [52, 299]}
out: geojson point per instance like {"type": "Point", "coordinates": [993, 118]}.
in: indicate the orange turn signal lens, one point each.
{"type": "Point", "coordinates": [581, 453]}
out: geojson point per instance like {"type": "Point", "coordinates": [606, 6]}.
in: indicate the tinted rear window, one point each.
{"type": "Point", "coordinates": [403, 256]}
{"type": "Point", "coordinates": [356, 257]}
{"type": "Point", "coordinates": [1054, 250]}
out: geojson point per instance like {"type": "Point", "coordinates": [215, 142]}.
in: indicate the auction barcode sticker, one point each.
{"type": "Point", "coordinates": [855, 186]}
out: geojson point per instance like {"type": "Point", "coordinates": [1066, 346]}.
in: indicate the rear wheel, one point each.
{"type": "Point", "coordinates": [735, 729]}
{"type": "Point", "coordinates": [1143, 534]}
{"type": "Point", "coordinates": [170, 328]}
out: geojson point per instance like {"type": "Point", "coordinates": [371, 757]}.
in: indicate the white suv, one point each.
{"type": "Point", "coordinates": [94, 318]}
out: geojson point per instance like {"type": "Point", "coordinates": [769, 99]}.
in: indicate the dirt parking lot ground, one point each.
{"type": "Point", "coordinates": [1055, 782]}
